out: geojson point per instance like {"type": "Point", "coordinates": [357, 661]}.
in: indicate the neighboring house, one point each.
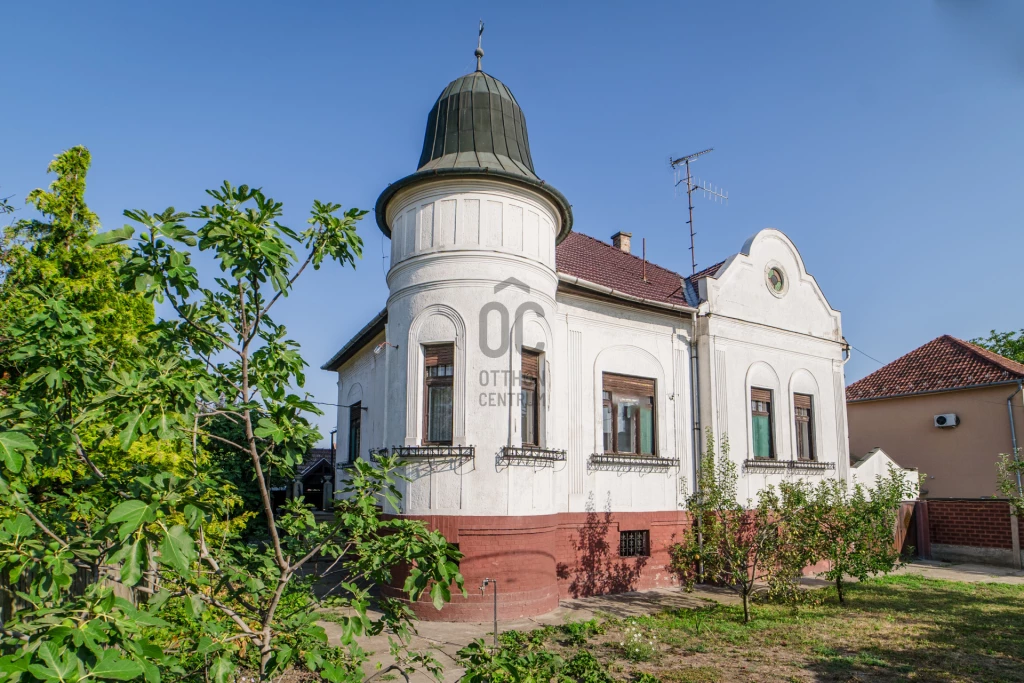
{"type": "Point", "coordinates": [314, 480]}
{"type": "Point", "coordinates": [877, 463]}
{"type": "Point", "coordinates": [899, 409]}
{"type": "Point", "coordinates": [551, 390]}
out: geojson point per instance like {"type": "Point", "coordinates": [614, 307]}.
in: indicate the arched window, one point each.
{"type": "Point", "coordinates": [762, 423]}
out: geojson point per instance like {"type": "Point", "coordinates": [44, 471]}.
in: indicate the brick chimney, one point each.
{"type": "Point", "coordinates": [621, 240]}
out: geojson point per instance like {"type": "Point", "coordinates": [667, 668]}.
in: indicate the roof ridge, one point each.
{"type": "Point", "coordinates": [944, 363]}
{"type": "Point", "coordinates": [989, 356]}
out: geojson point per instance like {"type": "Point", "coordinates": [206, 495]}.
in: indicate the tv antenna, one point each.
{"type": "Point", "coordinates": [710, 191]}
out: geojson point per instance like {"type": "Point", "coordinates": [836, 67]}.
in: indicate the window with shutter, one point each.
{"type": "Point", "coordinates": [629, 417]}
{"type": "Point", "coordinates": [803, 421]}
{"type": "Point", "coordinates": [438, 373]}
{"type": "Point", "coordinates": [761, 423]}
{"type": "Point", "coordinates": [529, 384]}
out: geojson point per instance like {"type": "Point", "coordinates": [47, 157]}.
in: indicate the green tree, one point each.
{"type": "Point", "coordinates": [163, 526]}
{"type": "Point", "coordinates": [854, 529]}
{"type": "Point", "coordinates": [253, 368]}
{"type": "Point", "coordinates": [60, 252]}
{"type": "Point", "coordinates": [750, 548]}
{"type": "Point", "coordinates": [1007, 344]}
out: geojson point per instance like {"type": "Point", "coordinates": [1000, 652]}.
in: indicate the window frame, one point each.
{"type": "Point", "coordinates": [609, 394]}
{"type": "Point", "coordinates": [769, 413]}
{"type": "Point", "coordinates": [529, 385]}
{"type": "Point", "coordinates": [355, 427]}
{"type": "Point", "coordinates": [798, 420]}
{"type": "Point", "coordinates": [434, 355]}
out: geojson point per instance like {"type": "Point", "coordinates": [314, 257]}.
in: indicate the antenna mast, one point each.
{"type": "Point", "coordinates": [710, 191]}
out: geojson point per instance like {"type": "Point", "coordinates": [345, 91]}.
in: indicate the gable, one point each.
{"type": "Point", "coordinates": [740, 289]}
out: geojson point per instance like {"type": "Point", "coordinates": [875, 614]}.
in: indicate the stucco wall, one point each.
{"type": "Point", "coordinates": [958, 462]}
{"type": "Point", "coordinates": [362, 380]}
{"type": "Point", "coordinates": [788, 342]}
{"type": "Point", "coordinates": [866, 472]}
{"type": "Point", "coordinates": [438, 295]}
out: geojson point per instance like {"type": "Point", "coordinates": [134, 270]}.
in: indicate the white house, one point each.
{"type": "Point", "coordinates": [550, 390]}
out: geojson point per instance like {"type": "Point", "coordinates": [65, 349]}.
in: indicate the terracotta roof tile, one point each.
{"type": "Point", "coordinates": [589, 259]}
{"type": "Point", "coordinates": [943, 364]}
{"type": "Point", "coordinates": [595, 261]}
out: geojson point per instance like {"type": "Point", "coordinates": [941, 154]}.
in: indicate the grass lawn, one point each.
{"type": "Point", "coordinates": [893, 628]}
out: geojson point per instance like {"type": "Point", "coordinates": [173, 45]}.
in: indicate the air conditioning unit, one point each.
{"type": "Point", "coordinates": [947, 420]}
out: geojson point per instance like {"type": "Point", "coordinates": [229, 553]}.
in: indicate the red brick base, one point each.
{"type": "Point", "coordinates": [540, 559]}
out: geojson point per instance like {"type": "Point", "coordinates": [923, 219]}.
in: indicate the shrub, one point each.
{"type": "Point", "coordinates": [746, 547]}
{"type": "Point", "coordinates": [637, 644]}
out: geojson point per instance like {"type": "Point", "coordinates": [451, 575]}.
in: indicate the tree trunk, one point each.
{"type": "Point", "coordinates": [839, 589]}
{"type": "Point", "coordinates": [746, 607]}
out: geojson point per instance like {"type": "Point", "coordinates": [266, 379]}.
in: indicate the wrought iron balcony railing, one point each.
{"type": "Point", "coordinates": [530, 455]}
{"type": "Point", "coordinates": [432, 452]}
{"type": "Point", "coordinates": [629, 463]}
{"type": "Point", "coordinates": [769, 465]}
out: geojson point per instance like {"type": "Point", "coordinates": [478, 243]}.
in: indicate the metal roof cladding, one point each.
{"type": "Point", "coordinates": [477, 123]}
{"type": "Point", "coordinates": [476, 129]}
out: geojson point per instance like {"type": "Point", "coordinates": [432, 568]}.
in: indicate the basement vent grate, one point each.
{"type": "Point", "coordinates": [635, 543]}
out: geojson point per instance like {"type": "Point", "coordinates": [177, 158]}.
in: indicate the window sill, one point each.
{"type": "Point", "coordinates": [530, 455]}
{"type": "Point", "coordinates": [629, 463]}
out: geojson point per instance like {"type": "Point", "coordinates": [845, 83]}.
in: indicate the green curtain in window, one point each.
{"type": "Point", "coordinates": [646, 431]}
{"type": "Point", "coordinates": [762, 436]}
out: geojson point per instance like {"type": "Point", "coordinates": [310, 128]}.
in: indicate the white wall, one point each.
{"type": "Point", "coordinates": [446, 274]}
{"type": "Point", "coordinates": [876, 464]}
{"type": "Point", "coordinates": [789, 343]}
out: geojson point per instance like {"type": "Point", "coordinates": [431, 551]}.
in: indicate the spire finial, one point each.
{"type": "Point", "coordinates": [479, 52]}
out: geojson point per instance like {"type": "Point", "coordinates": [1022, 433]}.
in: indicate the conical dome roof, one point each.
{"type": "Point", "coordinates": [477, 123]}
{"type": "Point", "coordinates": [476, 130]}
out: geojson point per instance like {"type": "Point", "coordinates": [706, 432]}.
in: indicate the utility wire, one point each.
{"type": "Point", "coordinates": [336, 405]}
{"type": "Point", "coordinates": [864, 354]}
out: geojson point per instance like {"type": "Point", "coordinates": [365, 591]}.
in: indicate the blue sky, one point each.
{"type": "Point", "coordinates": [884, 137]}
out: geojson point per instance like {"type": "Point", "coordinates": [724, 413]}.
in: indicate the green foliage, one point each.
{"type": "Point", "coordinates": [1007, 344]}
{"type": "Point", "coordinates": [143, 506]}
{"type": "Point", "coordinates": [1009, 473]}
{"type": "Point", "coordinates": [766, 546]}
{"type": "Point", "coordinates": [748, 548]}
{"type": "Point", "coordinates": [854, 530]}
{"type": "Point", "coordinates": [578, 632]}
{"type": "Point", "coordinates": [644, 677]}
{"type": "Point", "coordinates": [585, 668]}
{"type": "Point", "coordinates": [56, 253]}
{"type": "Point", "coordinates": [638, 643]}
{"type": "Point", "coordinates": [520, 663]}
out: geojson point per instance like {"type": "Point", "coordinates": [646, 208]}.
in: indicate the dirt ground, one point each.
{"type": "Point", "coordinates": [932, 622]}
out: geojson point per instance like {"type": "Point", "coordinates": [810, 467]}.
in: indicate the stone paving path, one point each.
{"type": "Point", "coordinates": [445, 639]}
{"type": "Point", "coordinates": [968, 573]}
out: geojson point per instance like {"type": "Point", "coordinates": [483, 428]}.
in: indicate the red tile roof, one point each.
{"type": "Point", "coordinates": [595, 261]}
{"type": "Point", "coordinates": [943, 364]}
{"type": "Point", "coordinates": [588, 259]}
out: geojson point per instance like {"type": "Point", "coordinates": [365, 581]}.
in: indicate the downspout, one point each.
{"type": "Point", "coordinates": [1013, 432]}
{"type": "Point", "coordinates": [695, 384]}
{"type": "Point", "coordinates": [843, 466]}
{"type": "Point", "coordinates": [695, 398]}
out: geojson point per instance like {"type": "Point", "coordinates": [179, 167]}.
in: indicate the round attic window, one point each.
{"type": "Point", "coordinates": [776, 280]}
